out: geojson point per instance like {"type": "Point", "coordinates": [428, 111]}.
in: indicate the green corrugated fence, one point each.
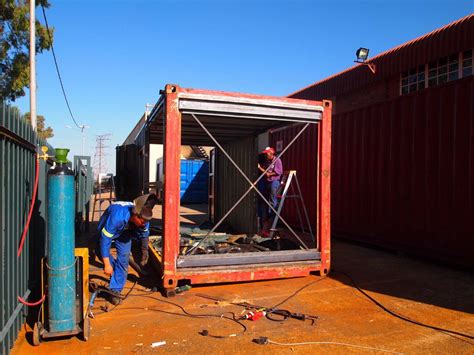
{"type": "Point", "coordinates": [84, 184]}
{"type": "Point", "coordinates": [22, 276]}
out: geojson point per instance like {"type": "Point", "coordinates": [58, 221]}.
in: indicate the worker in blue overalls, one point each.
{"type": "Point", "coordinates": [120, 223]}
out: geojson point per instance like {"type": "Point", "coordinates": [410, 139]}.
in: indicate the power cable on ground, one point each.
{"type": "Point", "coordinates": [265, 340]}
{"type": "Point", "coordinates": [400, 316]}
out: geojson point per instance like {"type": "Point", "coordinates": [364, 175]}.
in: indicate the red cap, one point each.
{"type": "Point", "coordinates": [268, 150]}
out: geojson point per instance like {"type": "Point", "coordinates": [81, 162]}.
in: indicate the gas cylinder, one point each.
{"type": "Point", "coordinates": [60, 263]}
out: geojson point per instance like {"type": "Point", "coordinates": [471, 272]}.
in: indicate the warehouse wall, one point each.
{"type": "Point", "coordinates": [403, 173]}
{"type": "Point", "coordinates": [379, 91]}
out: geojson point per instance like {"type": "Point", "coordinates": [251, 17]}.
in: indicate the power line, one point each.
{"type": "Point", "coordinates": [57, 67]}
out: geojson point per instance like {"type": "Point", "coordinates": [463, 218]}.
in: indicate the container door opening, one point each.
{"type": "Point", "coordinates": [223, 229]}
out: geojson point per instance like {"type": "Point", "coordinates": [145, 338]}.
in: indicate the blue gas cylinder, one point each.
{"type": "Point", "coordinates": [60, 258]}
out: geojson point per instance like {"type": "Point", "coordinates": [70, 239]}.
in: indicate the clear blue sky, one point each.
{"type": "Point", "coordinates": [115, 56]}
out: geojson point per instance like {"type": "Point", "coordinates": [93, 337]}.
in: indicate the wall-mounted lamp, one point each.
{"type": "Point", "coordinates": [362, 54]}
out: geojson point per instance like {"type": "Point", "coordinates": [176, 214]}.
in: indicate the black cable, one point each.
{"type": "Point", "coordinates": [184, 314]}
{"type": "Point", "coordinates": [57, 67]}
{"type": "Point", "coordinates": [298, 291]}
{"type": "Point", "coordinates": [399, 316]}
{"type": "Point", "coordinates": [282, 314]}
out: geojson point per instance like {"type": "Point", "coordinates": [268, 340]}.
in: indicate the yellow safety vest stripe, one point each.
{"type": "Point", "coordinates": [106, 233]}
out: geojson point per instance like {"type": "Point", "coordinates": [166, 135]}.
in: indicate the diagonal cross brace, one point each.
{"type": "Point", "coordinates": [252, 187]}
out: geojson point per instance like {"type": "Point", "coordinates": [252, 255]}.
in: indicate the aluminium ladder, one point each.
{"type": "Point", "coordinates": [282, 195]}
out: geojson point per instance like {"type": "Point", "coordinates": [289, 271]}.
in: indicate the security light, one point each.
{"type": "Point", "coordinates": [362, 54]}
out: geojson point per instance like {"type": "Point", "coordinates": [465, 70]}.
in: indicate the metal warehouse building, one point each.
{"type": "Point", "coordinates": [403, 146]}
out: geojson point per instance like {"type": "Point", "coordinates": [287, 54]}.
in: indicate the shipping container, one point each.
{"type": "Point", "coordinates": [194, 181]}
{"type": "Point", "coordinates": [232, 123]}
{"type": "Point", "coordinates": [402, 172]}
{"type": "Point", "coordinates": [129, 181]}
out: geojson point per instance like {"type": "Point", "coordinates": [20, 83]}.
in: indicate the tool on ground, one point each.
{"type": "Point", "coordinates": [282, 194]}
{"type": "Point", "coordinates": [98, 289]}
{"type": "Point", "coordinates": [273, 314]}
{"type": "Point", "coordinates": [182, 289]}
{"type": "Point", "coordinates": [254, 315]}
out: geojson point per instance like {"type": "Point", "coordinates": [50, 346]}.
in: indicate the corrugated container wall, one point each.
{"type": "Point", "coordinates": [129, 182]}
{"type": "Point", "coordinates": [302, 156]}
{"type": "Point", "coordinates": [403, 173]}
{"type": "Point", "coordinates": [230, 185]}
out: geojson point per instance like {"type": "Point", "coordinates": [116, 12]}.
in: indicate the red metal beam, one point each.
{"type": "Point", "coordinates": [325, 188]}
{"type": "Point", "coordinates": [171, 201]}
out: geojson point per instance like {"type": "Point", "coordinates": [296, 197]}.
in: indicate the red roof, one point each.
{"type": "Point", "coordinates": [452, 38]}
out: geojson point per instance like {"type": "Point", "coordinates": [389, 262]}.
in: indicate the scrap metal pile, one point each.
{"type": "Point", "coordinates": [224, 243]}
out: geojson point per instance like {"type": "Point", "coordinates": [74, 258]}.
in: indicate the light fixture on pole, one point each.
{"type": "Point", "coordinates": [82, 128]}
{"type": "Point", "coordinates": [362, 55]}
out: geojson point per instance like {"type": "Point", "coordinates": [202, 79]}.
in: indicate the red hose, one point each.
{"type": "Point", "coordinates": [31, 304]}
{"type": "Point", "coordinates": [30, 213]}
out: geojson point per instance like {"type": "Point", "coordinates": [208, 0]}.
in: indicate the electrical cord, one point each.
{"type": "Point", "coordinates": [184, 313]}
{"type": "Point", "coordinates": [205, 332]}
{"type": "Point", "coordinates": [57, 68]}
{"type": "Point", "coordinates": [297, 292]}
{"type": "Point", "coordinates": [265, 340]}
{"type": "Point", "coordinates": [400, 316]}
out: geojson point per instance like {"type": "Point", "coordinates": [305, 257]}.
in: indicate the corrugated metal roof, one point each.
{"type": "Point", "coordinates": [135, 131]}
{"type": "Point", "coordinates": [452, 38]}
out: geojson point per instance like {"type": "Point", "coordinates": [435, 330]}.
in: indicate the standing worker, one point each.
{"type": "Point", "coordinates": [122, 222]}
{"type": "Point", "coordinates": [272, 177]}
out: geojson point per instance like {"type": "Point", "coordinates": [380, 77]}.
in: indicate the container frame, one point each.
{"type": "Point", "coordinates": [229, 116]}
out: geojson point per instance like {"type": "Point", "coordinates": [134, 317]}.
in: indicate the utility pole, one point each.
{"type": "Point", "coordinates": [82, 128]}
{"type": "Point", "coordinates": [100, 163]}
{"type": "Point", "coordinates": [147, 106]}
{"type": "Point", "coordinates": [33, 64]}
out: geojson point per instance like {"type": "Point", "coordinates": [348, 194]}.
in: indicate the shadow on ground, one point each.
{"type": "Point", "coordinates": [403, 277]}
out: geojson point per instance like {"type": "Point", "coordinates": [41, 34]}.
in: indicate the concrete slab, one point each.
{"type": "Point", "coordinates": [428, 293]}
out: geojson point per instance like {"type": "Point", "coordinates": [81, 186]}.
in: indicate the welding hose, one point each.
{"type": "Point", "coordinates": [30, 213]}
{"type": "Point", "coordinates": [25, 231]}
{"type": "Point", "coordinates": [31, 304]}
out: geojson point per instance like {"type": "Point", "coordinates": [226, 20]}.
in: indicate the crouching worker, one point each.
{"type": "Point", "coordinates": [122, 222]}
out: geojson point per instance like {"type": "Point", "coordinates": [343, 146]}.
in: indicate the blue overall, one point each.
{"type": "Point", "coordinates": [113, 226]}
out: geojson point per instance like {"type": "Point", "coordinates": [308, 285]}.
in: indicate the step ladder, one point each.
{"type": "Point", "coordinates": [105, 183]}
{"type": "Point", "coordinates": [283, 193]}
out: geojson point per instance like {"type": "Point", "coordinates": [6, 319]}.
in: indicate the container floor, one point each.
{"type": "Point", "coordinates": [419, 290]}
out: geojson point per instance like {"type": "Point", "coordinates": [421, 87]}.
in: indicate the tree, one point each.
{"type": "Point", "coordinates": [14, 46]}
{"type": "Point", "coordinates": [43, 131]}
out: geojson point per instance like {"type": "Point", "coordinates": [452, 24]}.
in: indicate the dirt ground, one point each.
{"type": "Point", "coordinates": [420, 290]}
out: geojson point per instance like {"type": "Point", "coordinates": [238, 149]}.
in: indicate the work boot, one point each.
{"type": "Point", "coordinates": [113, 297]}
